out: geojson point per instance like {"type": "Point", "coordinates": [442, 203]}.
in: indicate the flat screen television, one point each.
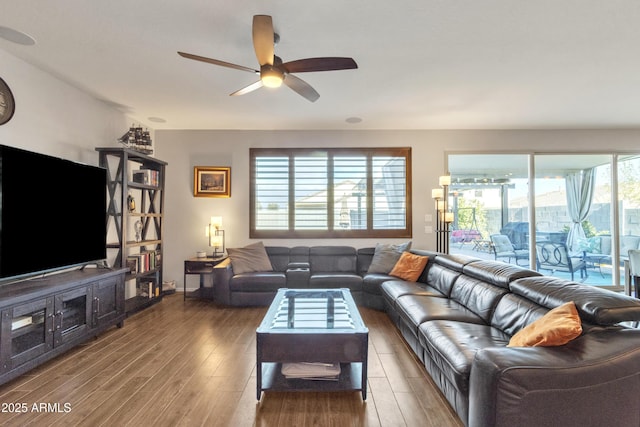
{"type": "Point", "coordinates": [52, 213]}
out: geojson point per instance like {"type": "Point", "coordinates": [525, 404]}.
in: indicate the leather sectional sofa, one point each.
{"type": "Point", "coordinates": [459, 317]}
{"type": "Point", "coordinates": [302, 267]}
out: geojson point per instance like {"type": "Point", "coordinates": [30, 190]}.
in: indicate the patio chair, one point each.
{"type": "Point", "coordinates": [503, 248]}
{"type": "Point", "coordinates": [634, 269]}
{"type": "Point", "coordinates": [554, 256]}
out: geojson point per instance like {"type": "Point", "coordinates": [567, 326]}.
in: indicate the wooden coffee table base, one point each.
{"type": "Point", "coordinates": [347, 346]}
{"type": "Point", "coordinates": [352, 377]}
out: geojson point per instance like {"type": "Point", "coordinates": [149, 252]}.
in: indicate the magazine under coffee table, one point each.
{"type": "Point", "coordinates": [321, 326]}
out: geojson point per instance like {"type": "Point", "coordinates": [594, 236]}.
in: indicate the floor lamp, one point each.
{"type": "Point", "coordinates": [444, 217]}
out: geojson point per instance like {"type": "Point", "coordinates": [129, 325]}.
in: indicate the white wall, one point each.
{"type": "Point", "coordinates": [55, 118]}
{"type": "Point", "coordinates": [186, 216]}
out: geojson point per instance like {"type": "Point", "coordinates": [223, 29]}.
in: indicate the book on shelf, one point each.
{"type": "Point", "coordinates": [143, 261]}
{"type": "Point", "coordinates": [132, 264]}
{"type": "Point", "coordinates": [147, 289]}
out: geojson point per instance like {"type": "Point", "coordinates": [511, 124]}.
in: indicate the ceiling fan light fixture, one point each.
{"type": "Point", "coordinates": [272, 70]}
{"type": "Point", "coordinates": [271, 76]}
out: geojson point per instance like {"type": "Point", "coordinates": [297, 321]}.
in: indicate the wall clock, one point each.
{"type": "Point", "coordinates": [7, 103]}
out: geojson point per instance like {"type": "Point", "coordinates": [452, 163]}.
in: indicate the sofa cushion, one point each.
{"type": "Point", "coordinates": [514, 312]}
{"type": "Point", "coordinates": [628, 242]}
{"type": "Point", "coordinates": [279, 257]}
{"type": "Point", "coordinates": [417, 309]}
{"type": "Point", "coordinates": [258, 282]}
{"type": "Point", "coordinates": [598, 245]}
{"type": "Point", "coordinates": [333, 259]}
{"type": "Point", "coordinates": [605, 245]}
{"type": "Point", "coordinates": [409, 267]}
{"type": "Point", "coordinates": [352, 282]}
{"type": "Point", "coordinates": [442, 278]}
{"type": "Point", "coordinates": [430, 263]}
{"type": "Point", "coordinates": [497, 273]}
{"type": "Point", "coordinates": [299, 254]}
{"type": "Point", "coordinates": [372, 283]}
{"type": "Point", "coordinates": [557, 327]}
{"type": "Point", "coordinates": [452, 346]}
{"type": "Point", "coordinates": [393, 289]}
{"type": "Point", "coordinates": [478, 296]}
{"type": "Point", "coordinates": [595, 305]}
{"type": "Point", "coordinates": [386, 256]}
{"type": "Point", "coordinates": [455, 262]}
{"type": "Point", "coordinates": [250, 258]}
{"type": "Point", "coordinates": [365, 256]}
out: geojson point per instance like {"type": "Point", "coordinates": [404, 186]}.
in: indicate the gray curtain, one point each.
{"type": "Point", "coordinates": [580, 186]}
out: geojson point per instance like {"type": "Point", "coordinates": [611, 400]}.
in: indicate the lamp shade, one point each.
{"type": "Point", "coordinates": [271, 76]}
{"type": "Point", "coordinates": [445, 180]}
{"type": "Point", "coordinates": [216, 222]}
{"type": "Point", "coordinates": [216, 241]}
{"type": "Point", "coordinates": [437, 193]}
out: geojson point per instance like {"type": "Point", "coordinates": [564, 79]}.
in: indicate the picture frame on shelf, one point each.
{"type": "Point", "coordinates": [212, 181]}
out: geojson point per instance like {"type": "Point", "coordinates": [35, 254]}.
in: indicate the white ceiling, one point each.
{"type": "Point", "coordinates": [423, 64]}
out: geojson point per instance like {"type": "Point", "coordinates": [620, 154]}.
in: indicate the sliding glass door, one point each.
{"type": "Point", "coordinates": [573, 216]}
{"type": "Point", "coordinates": [489, 196]}
{"type": "Point", "coordinates": [628, 173]}
{"type": "Point", "coordinates": [567, 198]}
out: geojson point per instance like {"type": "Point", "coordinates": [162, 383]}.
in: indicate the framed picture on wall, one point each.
{"type": "Point", "coordinates": [211, 181]}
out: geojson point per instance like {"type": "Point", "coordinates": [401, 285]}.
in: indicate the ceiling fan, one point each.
{"type": "Point", "coordinates": [273, 72]}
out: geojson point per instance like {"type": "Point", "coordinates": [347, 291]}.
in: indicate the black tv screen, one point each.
{"type": "Point", "coordinates": [52, 213]}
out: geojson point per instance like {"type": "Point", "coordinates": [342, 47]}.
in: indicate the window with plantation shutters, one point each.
{"type": "Point", "coordinates": [330, 192]}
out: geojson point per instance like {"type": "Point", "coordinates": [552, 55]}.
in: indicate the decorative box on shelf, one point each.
{"type": "Point", "coordinates": [146, 177]}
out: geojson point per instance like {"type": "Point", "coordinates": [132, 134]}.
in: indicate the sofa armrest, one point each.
{"type": "Point", "coordinates": [298, 275]}
{"type": "Point", "coordinates": [593, 380]}
{"type": "Point", "coordinates": [222, 274]}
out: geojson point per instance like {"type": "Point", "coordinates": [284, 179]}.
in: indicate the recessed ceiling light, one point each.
{"type": "Point", "coordinates": [157, 119]}
{"type": "Point", "coordinates": [16, 36]}
{"type": "Point", "coordinates": [353, 120]}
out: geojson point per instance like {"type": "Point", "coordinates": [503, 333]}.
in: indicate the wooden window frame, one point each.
{"type": "Point", "coordinates": [369, 232]}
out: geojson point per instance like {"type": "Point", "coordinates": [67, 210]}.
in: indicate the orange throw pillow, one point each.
{"type": "Point", "coordinates": [409, 267]}
{"type": "Point", "coordinates": [557, 327]}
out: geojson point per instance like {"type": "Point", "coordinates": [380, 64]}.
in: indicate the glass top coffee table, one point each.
{"type": "Point", "coordinates": [312, 340]}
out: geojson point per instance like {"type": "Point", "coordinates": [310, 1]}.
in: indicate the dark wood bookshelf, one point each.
{"type": "Point", "coordinates": [120, 163]}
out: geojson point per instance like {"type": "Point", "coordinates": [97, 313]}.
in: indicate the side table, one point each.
{"type": "Point", "coordinates": [201, 267]}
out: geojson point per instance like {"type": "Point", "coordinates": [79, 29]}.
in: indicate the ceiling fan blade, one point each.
{"type": "Point", "coordinates": [263, 38]}
{"type": "Point", "coordinates": [247, 89]}
{"type": "Point", "coordinates": [217, 62]}
{"type": "Point", "coordinates": [301, 87]}
{"type": "Point", "coordinates": [320, 64]}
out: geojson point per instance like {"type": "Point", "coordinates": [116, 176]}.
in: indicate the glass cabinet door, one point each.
{"type": "Point", "coordinates": [72, 315]}
{"type": "Point", "coordinates": [29, 328]}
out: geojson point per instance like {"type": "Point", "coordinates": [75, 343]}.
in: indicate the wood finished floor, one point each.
{"type": "Point", "coordinates": [193, 364]}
